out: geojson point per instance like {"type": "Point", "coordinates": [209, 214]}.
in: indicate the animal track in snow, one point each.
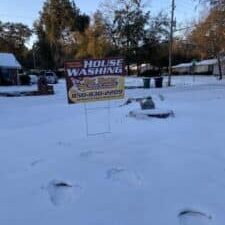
{"type": "Point", "coordinates": [61, 192]}
{"type": "Point", "coordinates": [123, 176]}
{"type": "Point", "coordinates": [192, 217]}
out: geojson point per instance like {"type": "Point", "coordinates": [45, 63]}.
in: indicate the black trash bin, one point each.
{"type": "Point", "coordinates": [146, 82]}
{"type": "Point", "coordinates": [158, 82]}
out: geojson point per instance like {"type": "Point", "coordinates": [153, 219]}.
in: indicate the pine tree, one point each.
{"type": "Point", "coordinates": [58, 21]}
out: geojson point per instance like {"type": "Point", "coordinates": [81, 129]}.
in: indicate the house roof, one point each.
{"type": "Point", "coordinates": [8, 60]}
{"type": "Point", "coordinates": [206, 62]}
{"type": "Point", "coordinates": [142, 66]}
{"type": "Point", "coordinates": [182, 65]}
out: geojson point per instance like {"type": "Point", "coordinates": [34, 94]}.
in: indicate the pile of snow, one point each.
{"type": "Point", "coordinates": [152, 113]}
{"type": "Point", "coordinates": [145, 108]}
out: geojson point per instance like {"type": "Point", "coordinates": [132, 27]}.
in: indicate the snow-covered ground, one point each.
{"type": "Point", "coordinates": [145, 172]}
{"type": "Point", "coordinates": [185, 80]}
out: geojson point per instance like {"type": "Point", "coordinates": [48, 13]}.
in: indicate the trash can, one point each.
{"type": "Point", "coordinates": [146, 82]}
{"type": "Point", "coordinates": [158, 82]}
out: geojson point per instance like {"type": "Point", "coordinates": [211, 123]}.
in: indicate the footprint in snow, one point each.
{"type": "Point", "coordinates": [61, 192]}
{"type": "Point", "coordinates": [191, 217]}
{"type": "Point", "coordinates": [123, 176]}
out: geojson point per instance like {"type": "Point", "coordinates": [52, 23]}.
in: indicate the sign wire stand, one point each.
{"type": "Point", "coordinates": [108, 121]}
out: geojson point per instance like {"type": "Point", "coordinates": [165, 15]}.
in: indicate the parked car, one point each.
{"type": "Point", "coordinates": [33, 79]}
{"type": "Point", "coordinates": [51, 77]}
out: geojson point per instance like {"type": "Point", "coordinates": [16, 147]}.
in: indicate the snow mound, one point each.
{"type": "Point", "coordinates": [154, 113]}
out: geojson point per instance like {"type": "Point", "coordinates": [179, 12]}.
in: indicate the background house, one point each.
{"type": "Point", "coordinates": [142, 68]}
{"type": "Point", "coordinates": [9, 67]}
{"type": "Point", "coordinates": [209, 66]}
{"type": "Point", "coordinates": [183, 68]}
{"type": "Point", "coordinates": [206, 67]}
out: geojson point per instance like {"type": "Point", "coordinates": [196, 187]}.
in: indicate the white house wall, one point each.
{"type": "Point", "coordinates": [201, 69]}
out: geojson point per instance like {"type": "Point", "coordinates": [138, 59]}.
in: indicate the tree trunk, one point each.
{"type": "Point", "coordinates": [220, 67]}
{"type": "Point", "coordinates": [128, 56]}
{"type": "Point", "coordinates": [138, 61]}
{"type": "Point", "coordinates": [128, 67]}
{"type": "Point", "coordinates": [138, 69]}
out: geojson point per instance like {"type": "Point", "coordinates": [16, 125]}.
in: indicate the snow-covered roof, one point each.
{"type": "Point", "coordinates": [206, 62]}
{"type": "Point", "coordinates": [142, 66]}
{"type": "Point", "coordinates": [8, 60]}
{"type": "Point", "coordinates": [182, 65]}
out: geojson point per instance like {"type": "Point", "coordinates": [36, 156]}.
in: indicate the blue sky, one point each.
{"type": "Point", "coordinates": [26, 11]}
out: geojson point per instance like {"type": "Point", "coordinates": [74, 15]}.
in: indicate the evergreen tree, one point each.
{"type": "Point", "coordinates": [55, 28]}
{"type": "Point", "coordinates": [13, 39]}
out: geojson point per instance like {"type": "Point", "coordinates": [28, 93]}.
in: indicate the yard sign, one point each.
{"type": "Point", "coordinates": [95, 80]}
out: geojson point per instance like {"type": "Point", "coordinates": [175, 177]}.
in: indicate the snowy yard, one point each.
{"type": "Point", "coordinates": [185, 80]}
{"type": "Point", "coordinates": [146, 172]}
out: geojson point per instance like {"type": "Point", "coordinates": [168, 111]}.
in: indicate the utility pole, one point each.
{"type": "Point", "coordinates": [171, 42]}
{"type": "Point", "coordinates": [34, 58]}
